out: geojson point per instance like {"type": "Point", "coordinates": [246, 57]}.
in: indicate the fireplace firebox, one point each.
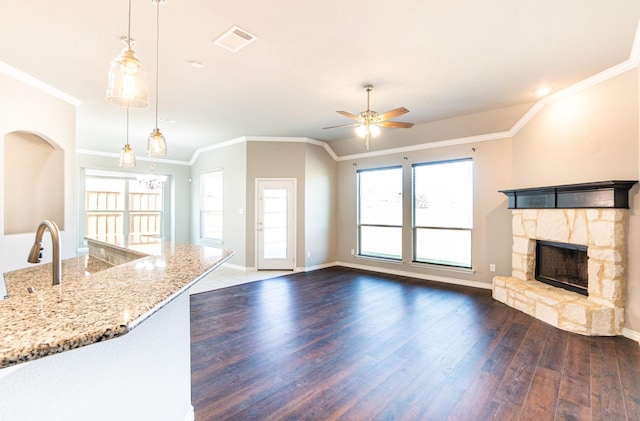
{"type": "Point", "coordinates": [562, 265]}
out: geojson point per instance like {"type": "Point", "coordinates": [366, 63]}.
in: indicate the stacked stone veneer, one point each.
{"type": "Point", "coordinates": [602, 231]}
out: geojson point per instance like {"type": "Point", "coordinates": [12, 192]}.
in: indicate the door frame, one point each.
{"type": "Point", "coordinates": [294, 218]}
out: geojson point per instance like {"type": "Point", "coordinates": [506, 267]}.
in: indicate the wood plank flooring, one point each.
{"type": "Point", "coordinates": [343, 344]}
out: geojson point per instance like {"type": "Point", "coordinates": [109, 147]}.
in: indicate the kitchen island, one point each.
{"type": "Point", "coordinates": [111, 342]}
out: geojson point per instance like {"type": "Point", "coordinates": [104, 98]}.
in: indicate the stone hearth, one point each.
{"type": "Point", "coordinates": [588, 214]}
{"type": "Point", "coordinates": [602, 231]}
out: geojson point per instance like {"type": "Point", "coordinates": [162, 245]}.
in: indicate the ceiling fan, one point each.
{"type": "Point", "coordinates": [369, 122]}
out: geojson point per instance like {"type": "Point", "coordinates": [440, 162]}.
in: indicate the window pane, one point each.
{"type": "Point", "coordinates": [443, 246]}
{"type": "Point", "coordinates": [380, 196]}
{"type": "Point", "coordinates": [122, 206]}
{"type": "Point", "coordinates": [211, 205]}
{"type": "Point", "coordinates": [443, 195]}
{"type": "Point", "coordinates": [211, 224]}
{"type": "Point", "coordinates": [104, 194]}
{"type": "Point", "coordinates": [275, 223]}
{"type": "Point", "coordinates": [383, 242]}
{"type": "Point", "coordinates": [104, 202]}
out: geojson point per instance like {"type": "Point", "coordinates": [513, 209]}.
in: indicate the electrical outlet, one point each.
{"type": "Point", "coordinates": [308, 253]}
{"type": "Point", "coordinates": [353, 252]}
{"type": "Point", "coordinates": [492, 267]}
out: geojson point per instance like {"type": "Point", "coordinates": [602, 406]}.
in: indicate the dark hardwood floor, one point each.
{"type": "Point", "coordinates": [345, 344]}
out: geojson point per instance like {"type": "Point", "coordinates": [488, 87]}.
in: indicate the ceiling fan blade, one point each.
{"type": "Point", "coordinates": [392, 113]}
{"type": "Point", "coordinates": [348, 114]}
{"type": "Point", "coordinates": [342, 125]}
{"type": "Point", "coordinates": [394, 124]}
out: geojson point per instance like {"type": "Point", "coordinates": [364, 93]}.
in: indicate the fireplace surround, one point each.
{"type": "Point", "coordinates": [588, 215]}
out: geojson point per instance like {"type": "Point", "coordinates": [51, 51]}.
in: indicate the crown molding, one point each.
{"type": "Point", "coordinates": [244, 139]}
{"type": "Point", "coordinates": [138, 158]}
{"type": "Point", "coordinates": [37, 83]}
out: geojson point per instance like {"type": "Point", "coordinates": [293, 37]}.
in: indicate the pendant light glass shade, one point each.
{"type": "Point", "coordinates": [127, 81]}
{"type": "Point", "coordinates": [156, 144]}
{"type": "Point", "coordinates": [127, 157]}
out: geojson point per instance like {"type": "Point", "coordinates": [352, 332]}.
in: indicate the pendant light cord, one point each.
{"type": "Point", "coordinates": [129, 28]}
{"type": "Point", "coordinates": [157, 55]}
{"type": "Point", "coordinates": [127, 126]}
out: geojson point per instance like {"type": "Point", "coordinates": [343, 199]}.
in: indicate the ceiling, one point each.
{"type": "Point", "coordinates": [438, 58]}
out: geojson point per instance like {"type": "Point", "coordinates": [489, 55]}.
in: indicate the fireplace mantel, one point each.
{"type": "Point", "coordinates": [601, 194]}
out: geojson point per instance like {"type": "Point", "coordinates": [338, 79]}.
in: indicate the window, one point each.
{"type": "Point", "coordinates": [211, 205]}
{"type": "Point", "coordinates": [443, 212]}
{"type": "Point", "coordinates": [380, 213]}
{"type": "Point", "coordinates": [118, 206]}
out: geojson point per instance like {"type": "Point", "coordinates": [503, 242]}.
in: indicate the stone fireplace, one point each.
{"type": "Point", "coordinates": [591, 216]}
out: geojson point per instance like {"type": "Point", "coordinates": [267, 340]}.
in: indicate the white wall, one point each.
{"type": "Point", "coordinates": [232, 160]}
{"type": "Point", "coordinates": [24, 108]}
{"type": "Point", "coordinates": [143, 375]}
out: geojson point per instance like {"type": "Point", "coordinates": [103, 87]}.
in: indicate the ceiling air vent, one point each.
{"type": "Point", "coordinates": [235, 39]}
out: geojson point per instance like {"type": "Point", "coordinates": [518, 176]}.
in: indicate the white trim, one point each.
{"type": "Point", "coordinates": [320, 266]}
{"type": "Point", "coordinates": [631, 334]}
{"type": "Point", "coordinates": [430, 145]}
{"type": "Point", "coordinates": [436, 278]}
{"type": "Point", "coordinates": [455, 269]}
{"type": "Point", "coordinates": [37, 84]}
{"type": "Point", "coordinates": [190, 415]}
{"type": "Point", "coordinates": [138, 158]}
{"type": "Point", "coordinates": [293, 218]}
{"type": "Point", "coordinates": [215, 146]}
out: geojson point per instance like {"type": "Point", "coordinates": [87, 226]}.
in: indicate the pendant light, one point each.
{"type": "Point", "coordinates": [156, 143]}
{"type": "Point", "coordinates": [127, 156]}
{"type": "Point", "coordinates": [127, 79]}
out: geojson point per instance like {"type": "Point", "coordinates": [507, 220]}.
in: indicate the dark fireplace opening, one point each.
{"type": "Point", "coordinates": [562, 265]}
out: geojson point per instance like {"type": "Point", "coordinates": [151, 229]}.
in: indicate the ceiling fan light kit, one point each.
{"type": "Point", "coordinates": [369, 122]}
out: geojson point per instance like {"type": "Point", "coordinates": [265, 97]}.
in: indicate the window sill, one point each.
{"type": "Point", "coordinates": [469, 271]}
{"type": "Point", "coordinates": [210, 242]}
{"type": "Point", "coordinates": [379, 259]}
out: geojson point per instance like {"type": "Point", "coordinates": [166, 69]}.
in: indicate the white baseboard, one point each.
{"type": "Point", "coordinates": [321, 266]}
{"type": "Point", "coordinates": [436, 278]}
{"type": "Point", "coordinates": [631, 334]}
{"type": "Point", "coordinates": [190, 415]}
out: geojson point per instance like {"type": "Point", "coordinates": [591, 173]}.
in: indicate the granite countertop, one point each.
{"type": "Point", "coordinates": [95, 301]}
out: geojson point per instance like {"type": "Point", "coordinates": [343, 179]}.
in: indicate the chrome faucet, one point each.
{"type": "Point", "coordinates": [36, 251]}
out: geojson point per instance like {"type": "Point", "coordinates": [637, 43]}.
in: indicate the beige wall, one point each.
{"type": "Point", "coordinates": [591, 135]}
{"type": "Point", "coordinates": [320, 206]}
{"type": "Point", "coordinates": [491, 238]}
{"type": "Point", "coordinates": [33, 183]}
{"type": "Point", "coordinates": [477, 124]}
{"type": "Point", "coordinates": [275, 160]}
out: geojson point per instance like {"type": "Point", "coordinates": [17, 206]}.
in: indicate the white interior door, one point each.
{"type": "Point", "coordinates": [276, 224]}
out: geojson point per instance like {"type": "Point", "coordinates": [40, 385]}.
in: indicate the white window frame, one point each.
{"type": "Point", "coordinates": [125, 212]}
